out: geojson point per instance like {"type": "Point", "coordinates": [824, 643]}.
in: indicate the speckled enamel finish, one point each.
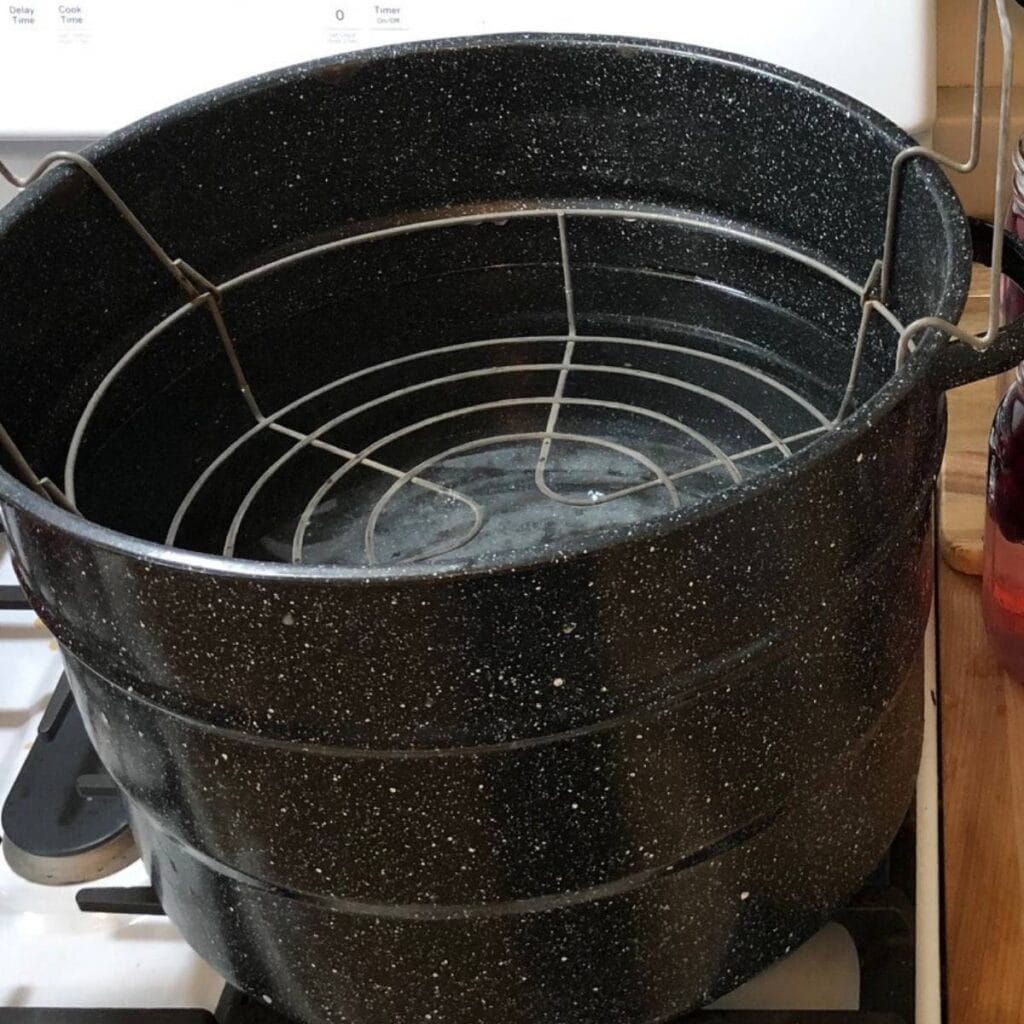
{"type": "Point", "coordinates": [602, 783]}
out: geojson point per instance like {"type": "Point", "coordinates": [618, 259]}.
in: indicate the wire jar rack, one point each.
{"type": "Point", "coordinates": [564, 432]}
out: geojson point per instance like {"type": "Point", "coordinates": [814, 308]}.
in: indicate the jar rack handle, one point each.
{"type": "Point", "coordinates": [877, 300]}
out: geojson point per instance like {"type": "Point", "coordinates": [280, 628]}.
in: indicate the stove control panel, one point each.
{"type": "Point", "coordinates": [80, 68]}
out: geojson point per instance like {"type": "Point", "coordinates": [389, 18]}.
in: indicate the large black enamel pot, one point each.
{"type": "Point", "coordinates": [461, 739]}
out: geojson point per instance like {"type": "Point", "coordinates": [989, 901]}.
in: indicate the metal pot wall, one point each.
{"type": "Point", "coordinates": [604, 774]}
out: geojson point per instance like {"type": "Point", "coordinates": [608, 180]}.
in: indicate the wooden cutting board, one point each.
{"type": "Point", "coordinates": [961, 486]}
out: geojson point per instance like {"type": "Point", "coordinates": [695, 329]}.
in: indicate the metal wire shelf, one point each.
{"type": "Point", "coordinates": [568, 367]}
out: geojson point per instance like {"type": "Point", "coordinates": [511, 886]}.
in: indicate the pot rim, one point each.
{"type": "Point", "coordinates": [912, 374]}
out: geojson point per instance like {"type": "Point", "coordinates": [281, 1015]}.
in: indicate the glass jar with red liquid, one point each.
{"type": "Point", "coordinates": [1003, 573]}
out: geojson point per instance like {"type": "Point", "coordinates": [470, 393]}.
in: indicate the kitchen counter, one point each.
{"type": "Point", "coordinates": [982, 752]}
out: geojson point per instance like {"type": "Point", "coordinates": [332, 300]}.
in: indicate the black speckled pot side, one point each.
{"type": "Point", "coordinates": [360, 794]}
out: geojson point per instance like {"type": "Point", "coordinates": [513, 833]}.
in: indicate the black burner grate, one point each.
{"type": "Point", "coordinates": [235, 1008]}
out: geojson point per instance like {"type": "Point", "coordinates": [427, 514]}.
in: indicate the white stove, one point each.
{"type": "Point", "coordinates": [75, 71]}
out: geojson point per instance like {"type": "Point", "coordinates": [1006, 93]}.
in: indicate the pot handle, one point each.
{"type": "Point", "coordinates": [957, 363]}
